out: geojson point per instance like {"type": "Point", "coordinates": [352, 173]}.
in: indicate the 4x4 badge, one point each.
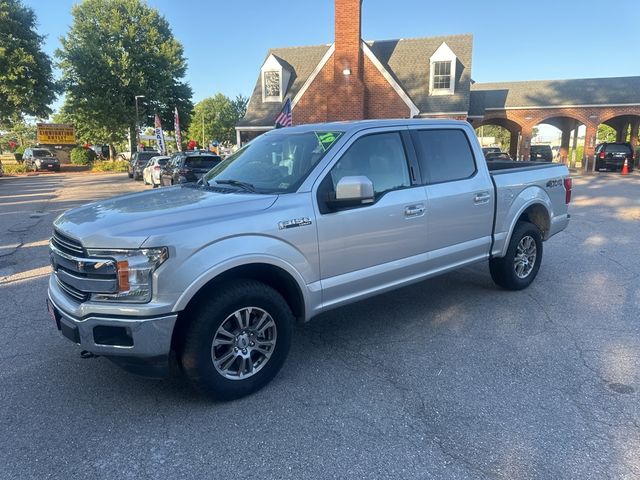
{"type": "Point", "coordinates": [296, 222]}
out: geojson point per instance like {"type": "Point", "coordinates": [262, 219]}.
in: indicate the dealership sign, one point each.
{"type": "Point", "coordinates": [56, 134]}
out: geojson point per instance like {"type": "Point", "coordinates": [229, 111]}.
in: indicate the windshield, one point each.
{"type": "Point", "coordinates": [274, 163]}
{"type": "Point", "coordinates": [42, 153]}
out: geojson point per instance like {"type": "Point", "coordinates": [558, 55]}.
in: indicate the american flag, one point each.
{"type": "Point", "coordinates": [284, 118]}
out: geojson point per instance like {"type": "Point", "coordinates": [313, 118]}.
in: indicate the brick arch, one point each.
{"type": "Point", "coordinates": [509, 124]}
{"type": "Point", "coordinates": [584, 120]}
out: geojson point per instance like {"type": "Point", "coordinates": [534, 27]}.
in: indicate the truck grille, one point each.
{"type": "Point", "coordinates": [77, 274]}
{"type": "Point", "coordinates": [67, 244]}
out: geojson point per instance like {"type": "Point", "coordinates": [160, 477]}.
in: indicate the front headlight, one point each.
{"type": "Point", "coordinates": [134, 272]}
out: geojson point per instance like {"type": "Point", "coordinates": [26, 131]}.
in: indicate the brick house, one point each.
{"type": "Point", "coordinates": [352, 79]}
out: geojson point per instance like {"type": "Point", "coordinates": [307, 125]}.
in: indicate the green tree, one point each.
{"type": "Point", "coordinates": [501, 134]}
{"type": "Point", "coordinates": [115, 50]}
{"type": "Point", "coordinates": [218, 115]}
{"type": "Point", "coordinates": [26, 79]}
{"type": "Point", "coordinates": [606, 133]}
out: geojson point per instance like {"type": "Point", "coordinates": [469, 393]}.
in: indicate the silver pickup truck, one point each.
{"type": "Point", "coordinates": [299, 221]}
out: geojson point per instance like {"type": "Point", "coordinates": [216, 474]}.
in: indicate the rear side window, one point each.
{"type": "Point", "coordinates": [444, 155]}
{"type": "Point", "coordinates": [202, 162]}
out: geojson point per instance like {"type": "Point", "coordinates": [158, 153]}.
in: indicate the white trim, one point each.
{"type": "Point", "coordinates": [563, 106]}
{"type": "Point", "coordinates": [443, 113]}
{"type": "Point", "coordinates": [475, 117]}
{"type": "Point", "coordinates": [413, 109]}
{"type": "Point", "coordinates": [254, 129]}
{"type": "Point", "coordinates": [443, 54]}
{"type": "Point", "coordinates": [313, 75]}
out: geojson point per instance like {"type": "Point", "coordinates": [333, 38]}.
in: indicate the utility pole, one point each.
{"type": "Point", "coordinates": [137, 123]}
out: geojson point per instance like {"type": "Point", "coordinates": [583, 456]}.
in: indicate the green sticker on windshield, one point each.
{"type": "Point", "coordinates": [326, 139]}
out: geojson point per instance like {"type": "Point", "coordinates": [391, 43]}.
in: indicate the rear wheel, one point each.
{"type": "Point", "coordinates": [519, 267]}
{"type": "Point", "coordinates": [238, 340]}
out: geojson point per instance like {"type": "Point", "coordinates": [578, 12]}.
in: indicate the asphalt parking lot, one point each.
{"type": "Point", "coordinates": [449, 378]}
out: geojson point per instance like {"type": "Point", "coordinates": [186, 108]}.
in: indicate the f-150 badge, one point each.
{"type": "Point", "coordinates": [296, 222]}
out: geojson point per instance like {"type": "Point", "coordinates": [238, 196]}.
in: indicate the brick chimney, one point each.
{"type": "Point", "coordinates": [347, 102]}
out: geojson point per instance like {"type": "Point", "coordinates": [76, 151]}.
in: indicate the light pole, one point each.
{"type": "Point", "coordinates": [137, 122]}
{"type": "Point", "coordinates": [202, 127]}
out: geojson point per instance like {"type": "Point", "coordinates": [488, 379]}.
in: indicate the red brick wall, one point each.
{"type": "Point", "coordinates": [380, 99]}
{"type": "Point", "coordinates": [313, 105]}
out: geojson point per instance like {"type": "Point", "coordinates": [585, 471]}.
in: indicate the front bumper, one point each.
{"type": "Point", "coordinates": [138, 344]}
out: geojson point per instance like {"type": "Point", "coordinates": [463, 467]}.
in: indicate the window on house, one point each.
{"type": "Point", "coordinates": [441, 75]}
{"type": "Point", "coordinates": [271, 84]}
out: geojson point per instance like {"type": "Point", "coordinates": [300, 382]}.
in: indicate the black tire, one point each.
{"type": "Point", "coordinates": [130, 174]}
{"type": "Point", "coordinates": [196, 352]}
{"type": "Point", "coordinates": [503, 269]}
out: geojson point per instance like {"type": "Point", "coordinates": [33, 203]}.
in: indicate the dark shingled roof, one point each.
{"type": "Point", "coordinates": [406, 60]}
{"type": "Point", "coordinates": [300, 61]}
{"type": "Point", "coordinates": [543, 93]}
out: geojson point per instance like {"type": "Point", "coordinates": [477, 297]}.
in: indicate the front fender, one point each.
{"type": "Point", "coordinates": [207, 263]}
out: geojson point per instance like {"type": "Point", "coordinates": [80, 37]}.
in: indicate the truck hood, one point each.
{"type": "Point", "coordinates": [127, 221]}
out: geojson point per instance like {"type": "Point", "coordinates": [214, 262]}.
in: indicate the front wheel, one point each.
{"type": "Point", "coordinates": [238, 340]}
{"type": "Point", "coordinates": [519, 267]}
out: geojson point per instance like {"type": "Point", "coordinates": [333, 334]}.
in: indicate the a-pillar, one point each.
{"type": "Point", "coordinates": [588, 158]}
{"type": "Point", "coordinates": [525, 143]}
{"type": "Point", "coordinates": [513, 145]}
{"type": "Point", "coordinates": [635, 126]}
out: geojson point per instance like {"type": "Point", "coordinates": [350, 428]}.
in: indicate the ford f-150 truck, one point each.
{"type": "Point", "coordinates": [299, 221]}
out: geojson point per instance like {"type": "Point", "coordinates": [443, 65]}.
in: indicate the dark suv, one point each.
{"type": "Point", "coordinates": [541, 153]}
{"type": "Point", "coordinates": [40, 159]}
{"type": "Point", "coordinates": [611, 156]}
{"type": "Point", "coordinates": [138, 161]}
{"type": "Point", "coordinates": [187, 167]}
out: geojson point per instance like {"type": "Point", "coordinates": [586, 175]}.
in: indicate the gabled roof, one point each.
{"type": "Point", "coordinates": [300, 61]}
{"type": "Point", "coordinates": [554, 93]}
{"type": "Point", "coordinates": [407, 61]}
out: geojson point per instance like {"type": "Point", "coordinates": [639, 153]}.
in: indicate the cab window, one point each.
{"type": "Point", "coordinates": [379, 157]}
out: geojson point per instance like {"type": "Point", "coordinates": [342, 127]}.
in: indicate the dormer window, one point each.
{"type": "Point", "coordinates": [441, 75]}
{"type": "Point", "coordinates": [271, 84]}
{"type": "Point", "coordinates": [443, 71]}
{"type": "Point", "coordinates": [275, 80]}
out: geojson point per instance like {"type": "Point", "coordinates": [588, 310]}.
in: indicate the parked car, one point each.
{"type": "Point", "coordinates": [541, 153]}
{"type": "Point", "coordinates": [488, 150]}
{"type": "Point", "coordinates": [185, 167]}
{"type": "Point", "coordinates": [40, 159]}
{"type": "Point", "coordinates": [137, 163]}
{"type": "Point", "coordinates": [493, 156]}
{"type": "Point", "coordinates": [151, 173]}
{"type": "Point", "coordinates": [611, 156]}
{"type": "Point", "coordinates": [299, 221]}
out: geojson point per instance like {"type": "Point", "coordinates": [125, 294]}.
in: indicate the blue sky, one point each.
{"type": "Point", "coordinates": [226, 41]}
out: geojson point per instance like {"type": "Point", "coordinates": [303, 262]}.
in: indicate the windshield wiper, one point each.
{"type": "Point", "coordinates": [237, 183]}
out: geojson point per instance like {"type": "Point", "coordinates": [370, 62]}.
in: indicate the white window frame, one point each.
{"type": "Point", "coordinates": [443, 54]}
{"type": "Point", "coordinates": [273, 65]}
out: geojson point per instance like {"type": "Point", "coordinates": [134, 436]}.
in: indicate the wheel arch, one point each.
{"type": "Point", "coordinates": [537, 212]}
{"type": "Point", "coordinates": [270, 274]}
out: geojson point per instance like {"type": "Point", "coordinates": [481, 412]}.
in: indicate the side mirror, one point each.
{"type": "Point", "coordinates": [352, 192]}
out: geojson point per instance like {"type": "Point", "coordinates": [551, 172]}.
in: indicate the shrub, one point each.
{"type": "Point", "coordinates": [13, 169]}
{"type": "Point", "coordinates": [81, 156]}
{"type": "Point", "coordinates": [20, 149]}
{"type": "Point", "coordinates": [110, 166]}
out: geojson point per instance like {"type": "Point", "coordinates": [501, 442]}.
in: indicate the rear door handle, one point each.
{"type": "Point", "coordinates": [414, 210]}
{"type": "Point", "coordinates": [482, 198]}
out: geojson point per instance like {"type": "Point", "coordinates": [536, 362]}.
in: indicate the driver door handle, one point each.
{"type": "Point", "coordinates": [411, 211]}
